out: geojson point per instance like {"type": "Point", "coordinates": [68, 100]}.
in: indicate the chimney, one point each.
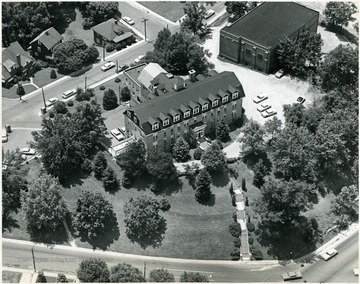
{"type": "Point", "coordinates": [155, 90]}
{"type": "Point", "coordinates": [47, 32]}
{"type": "Point", "coordinates": [192, 74]}
{"type": "Point", "coordinates": [18, 60]}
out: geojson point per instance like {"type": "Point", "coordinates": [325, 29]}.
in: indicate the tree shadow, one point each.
{"type": "Point", "coordinates": [115, 188]}
{"type": "Point", "coordinates": [342, 34]}
{"type": "Point", "coordinates": [154, 241]}
{"type": "Point", "coordinates": [170, 187]}
{"type": "Point", "coordinates": [219, 179]}
{"type": "Point", "coordinates": [9, 223]}
{"type": "Point", "coordinates": [251, 159]}
{"type": "Point", "coordinates": [73, 178]}
{"type": "Point", "coordinates": [335, 181]}
{"type": "Point", "coordinates": [46, 236]}
{"type": "Point", "coordinates": [210, 201]}
{"type": "Point", "coordinates": [143, 182]}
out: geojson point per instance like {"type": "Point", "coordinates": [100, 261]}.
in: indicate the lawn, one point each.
{"type": "Point", "coordinates": [75, 29]}
{"type": "Point", "coordinates": [172, 11]}
{"type": "Point", "coordinates": [11, 277]}
{"type": "Point", "coordinates": [42, 77]}
{"type": "Point", "coordinates": [11, 93]}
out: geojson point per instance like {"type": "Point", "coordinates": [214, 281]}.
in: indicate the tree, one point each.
{"type": "Point", "coordinates": [202, 186]}
{"type": "Point", "coordinates": [125, 94]}
{"type": "Point", "coordinates": [193, 277]}
{"type": "Point", "coordinates": [181, 150]}
{"type": "Point", "coordinates": [222, 130]}
{"type": "Point", "coordinates": [93, 270]}
{"type": "Point", "coordinates": [97, 12]}
{"type": "Point", "coordinates": [259, 173]}
{"type": "Point", "coordinates": [94, 215]}
{"type": "Point", "coordinates": [198, 153]}
{"type": "Point", "coordinates": [214, 159]}
{"type": "Point", "coordinates": [20, 91]}
{"type": "Point", "coordinates": [235, 229]}
{"type": "Point", "coordinates": [109, 179]}
{"type": "Point", "coordinates": [109, 100]}
{"type": "Point", "coordinates": [294, 114]}
{"type": "Point", "coordinates": [61, 278]}
{"type": "Point", "coordinates": [194, 22]}
{"type": "Point", "coordinates": [252, 138]}
{"type": "Point", "coordinates": [60, 107]}
{"type": "Point", "coordinates": [41, 278]}
{"type": "Point", "coordinates": [161, 275]}
{"type": "Point", "coordinates": [339, 13]}
{"type": "Point", "coordinates": [345, 206]}
{"type": "Point", "coordinates": [53, 74]}
{"type": "Point", "coordinates": [124, 273]}
{"type": "Point", "coordinates": [162, 40]}
{"type": "Point", "coordinates": [43, 205]}
{"type": "Point", "coordinates": [133, 160]}
{"type": "Point", "coordinates": [273, 127]}
{"type": "Point", "coordinates": [238, 9]}
{"type": "Point", "coordinates": [142, 218]}
{"type": "Point", "coordinates": [161, 167]}
{"type": "Point", "coordinates": [300, 53]}
{"type": "Point", "coordinates": [339, 68]}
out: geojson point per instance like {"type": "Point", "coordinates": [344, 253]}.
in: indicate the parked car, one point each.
{"type": "Point", "coordinates": [51, 101]}
{"type": "Point", "coordinates": [122, 130]}
{"type": "Point", "coordinates": [291, 275]}
{"type": "Point", "coordinates": [263, 107]}
{"type": "Point", "coordinates": [69, 93]}
{"type": "Point", "coordinates": [107, 66]}
{"type": "Point", "coordinates": [301, 100]}
{"type": "Point", "coordinates": [123, 67]}
{"type": "Point", "coordinates": [4, 135]}
{"type": "Point", "coordinates": [209, 13]}
{"type": "Point", "coordinates": [129, 21]}
{"type": "Point", "coordinates": [260, 98]}
{"type": "Point", "coordinates": [268, 113]}
{"type": "Point", "coordinates": [280, 73]}
{"type": "Point", "coordinates": [137, 59]}
{"type": "Point", "coordinates": [356, 271]}
{"type": "Point", "coordinates": [117, 134]}
{"type": "Point", "coordinates": [330, 253]}
{"type": "Point", "coordinates": [27, 151]}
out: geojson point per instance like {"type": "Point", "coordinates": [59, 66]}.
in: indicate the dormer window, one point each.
{"type": "Point", "coordinates": [128, 113]}
{"type": "Point", "coordinates": [205, 107]}
{"type": "Point", "coordinates": [215, 103]}
{"type": "Point", "coordinates": [196, 110]}
{"type": "Point", "coordinates": [235, 95]}
{"type": "Point", "coordinates": [187, 114]}
{"type": "Point", "coordinates": [225, 99]}
{"type": "Point", "coordinates": [176, 118]}
{"type": "Point", "coordinates": [155, 126]}
{"type": "Point", "coordinates": [135, 119]}
{"type": "Point", "coordinates": [166, 122]}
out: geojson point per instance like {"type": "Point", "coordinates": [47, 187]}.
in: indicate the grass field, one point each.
{"type": "Point", "coordinates": [75, 29]}
{"type": "Point", "coordinates": [11, 93]}
{"type": "Point", "coordinates": [172, 11]}
{"type": "Point", "coordinates": [11, 277]}
{"type": "Point", "coordinates": [42, 77]}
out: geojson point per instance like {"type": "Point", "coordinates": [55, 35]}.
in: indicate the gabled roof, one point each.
{"type": "Point", "coordinates": [271, 21]}
{"type": "Point", "coordinates": [135, 71]}
{"type": "Point", "coordinates": [111, 29]}
{"type": "Point", "coordinates": [149, 73]}
{"type": "Point", "coordinates": [49, 38]}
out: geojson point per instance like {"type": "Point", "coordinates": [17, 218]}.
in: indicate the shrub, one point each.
{"type": "Point", "coordinates": [110, 180]}
{"type": "Point", "coordinates": [165, 204]}
{"type": "Point", "coordinates": [70, 103]}
{"type": "Point", "coordinates": [251, 240]}
{"type": "Point", "coordinates": [109, 47]}
{"type": "Point", "coordinates": [118, 46]}
{"type": "Point", "coordinates": [125, 94]}
{"type": "Point", "coordinates": [237, 242]}
{"type": "Point", "coordinates": [110, 100]}
{"type": "Point", "coordinates": [86, 166]}
{"type": "Point", "coordinates": [60, 107]}
{"type": "Point", "coordinates": [248, 219]}
{"type": "Point", "coordinates": [256, 254]}
{"type": "Point", "coordinates": [128, 41]}
{"type": "Point", "coordinates": [243, 185]}
{"type": "Point", "coordinates": [123, 44]}
{"type": "Point", "coordinates": [234, 216]}
{"type": "Point", "coordinates": [250, 226]}
{"type": "Point", "coordinates": [102, 88]}
{"type": "Point", "coordinates": [133, 39]}
{"type": "Point", "coordinates": [41, 277]}
{"type": "Point", "coordinates": [100, 164]}
{"type": "Point", "coordinates": [246, 201]}
{"type": "Point", "coordinates": [117, 80]}
{"type": "Point", "coordinates": [197, 154]}
{"type": "Point", "coordinates": [51, 114]}
{"type": "Point", "coordinates": [87, 23]}
{"type": "Point", "coordinates": [53, 74]}
{"type": "Point", "coordinates": [235, 254]}
{"type": "Point", "coordinates": [126, 182]}
{"type": "Point", "coordinates": [15, 80]}
{"type": "Point", "coordinates": [235, 230]}
{"type": "Point", "coordinates": [154, 188]}
{"type": "Point", "coordinates": [233, 199]}
{"type": "Point", "coordinates": [61, 278]}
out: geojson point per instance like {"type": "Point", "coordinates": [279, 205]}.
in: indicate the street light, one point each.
{"type": "Point", "coordinates": [144, 21]}
{"type": "Point", "coordinates": [33, 258]}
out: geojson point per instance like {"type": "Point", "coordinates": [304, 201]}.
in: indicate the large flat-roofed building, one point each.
{"type": "Point", "coordinates": [190, 111]}
{"type": "Point", "coordinates": [253, 39]}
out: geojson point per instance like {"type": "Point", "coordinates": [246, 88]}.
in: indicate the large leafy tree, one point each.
{"type": "Point", "coordinates": [160, 165]}
{"type": "Point", "coordinates": [193, 277]}
{"type": "Point", "coordinates": [222, 130]}
{"type": "Point", "coordinates": [339, 68]}
{"type": "Point", "coordinates": [300, 53]}
{"type": "Point", "coordinates": [238, 9]}
{"type": "Point", "coordinates": [294, 114]}
{"type": "Point", "coordinates": [93, 270]}
{"type": "Point", "coordinates": [95, 216]}
{"type": "Point", "coordinates": [194, 22]}
{"type": "Point", "coordinates": [162, 40]}
{"type": "Point", "coordinates": [273, 126]}
{"type": "Point", "coordinates": [161, 275]}
{"type": "Point", "coordinates": [202, 186]}
{"type": "Point", "coordinates": [181, 150]}
{"type": "Point", "coordinates": [214, 159]}
{"type": "Point", "coordinates": [43, 205]}
{"type": "Point", "coordinates": [124, 273]}
{"type": "Point", "coordinates": [346, 206]}
{"type": "Point", "coordinates": [98, 12]}
{"type": "Point", "coordinates": [340, 13]}
{"type": "Point", "coordinates": [252, 138]}
{"type": "Point", "coordinates": [110, 100]}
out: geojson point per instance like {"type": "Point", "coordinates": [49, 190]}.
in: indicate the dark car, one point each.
{"type": "Point", "coordinates": [123, 67]}
{"type": "Point", "coordinates": [301, 100]}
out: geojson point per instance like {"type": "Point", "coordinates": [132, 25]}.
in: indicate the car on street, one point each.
{"type": "Point", "coordinates": [27, 151]}
{"type": "Point", "coordinates": [330, 253]}
{"type": "Point", "coordinates": [137, 59]}
{"type": "Point", "coordinates": [291, 275]}
{"type": "Point", "coordinates": [117, 134]}
{"type": "Point", "coordinates": [107, 66]}
{"type": "Point", "coordinates": [51, 101]}
{"type": "Point", "coordinates": [263, 107]}
{"type": "Point", "coordinates": [4, 135]}
{"type": "Point", "coordinates": [69, 93]}
{"type": "Point", "coordinates": [280, 73]}
{"type": "Point", "coordinates": [268, 113]}
{"type": "Point", "coordinates": [260, 98]}
{"type": "Point", "coordinates": [209, 13]}
{"type": "Point", "coordinates": [129, 21]}
{"type": "Point", "coordinates": [300, 100]}
{"type": "Point", "coordinates": [123, 67]}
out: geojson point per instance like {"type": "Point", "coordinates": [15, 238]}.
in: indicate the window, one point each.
{"type": "Point", "coordinates": [233, 113]}
{"type": "Point", "coordinates": [248, 52]}
{"type": "Point", "coordinates": [135, 119]}
{"type": "Point", "coordinates": [176, 118]}
{"type": "Point", "coordinates": [166, 122]}
{"type": "Point", "coordinates": [154, 137]}
{"type": "Point", "coordinates": [39, 48]}
{"type": "Point", "coordinates": [187, 114]}
{"type": "Point", "coordinates": [155, 145]}
{"type": "Point", "coordinates": [164, 134]}
{"type": "Point", "coordinates": [234, 105]}
{"type": "Point", "coordinates": [155, 126]}
{"type": "Point", "coordinates": [260, 57]}
{"type": "Point", "coordinates": [235, 95]}
{"type": "Point", "coordinates": [172, 130]}
{"type": "Point", "coordinates": [204, 116]}
{"type": "Point", "coordinates": [186, 123]}
{"type": "Point", "coordinates": [215, 103]}
{"type": "Point", "coordinates": [205, 107]}
{"type": "Point", "coordinates": [194, 119]}
{"type": "Point", "coordinates": [196, 110]}
{"type": "Point", "coordinates": [225, 99]}
{"type": "Point", "coordinates": [36, 54]}
{"type": "Point", "coordinates": [218, 110]}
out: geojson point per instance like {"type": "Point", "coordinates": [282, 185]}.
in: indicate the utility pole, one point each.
{"type": "Point", "coordinates": [104, 52]}
{"type": "Point", "coordinates": [117, 66]}
{"type": "Point", "coordinates": [85, 83]}
{"type": "Point", "coordinates": [144, 21]}
{"type": "Point", "coordinates": [144, 269]}
{"type": "Point", "coordinates": [33, 257]}
{"type": "Point", "coordinates": [42, 89]}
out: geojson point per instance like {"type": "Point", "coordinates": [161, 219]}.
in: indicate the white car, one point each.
{"type": "Point", "coordinates": [291, 275]}
{"type": "Point", "coordinates": [69, 93]}
{"type": "Point", "coordinates": [268, 113]}
{"type": "Point", "coordinates": [329, 254]}
{"type": "Point", "coordinates": [27, 151]}
{"type": "Point", "coordinates": [107, 66]}
{"type": "Point", "coordinates": [129, 21]}
{"type": "Point", "coordinates": [123, 130]}
{"type": "Point", "coordinates": [51, 101]}
{"type": "Point", "coordinates": [263, 107]}
{"type": "Point", "coordinates": [260, 98]}
{"type": "Point", "coordinates": [117, 134]}
{"type": "Point", "coordinates": [209, 13]}
{"type": "Point", "coordinates": [280, 73]}
{"type": "Point", "coordinates": [4, 137]}
{"type": "Point", "coordinates": [137, 59]}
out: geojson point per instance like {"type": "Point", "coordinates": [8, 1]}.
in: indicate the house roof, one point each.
{"type": "Point", "coordinates": [271, 21]}
{"type": "Point", "coordinates": [134, 72]}
{"type": "Point", "coordinates": [49, 38]}
{"type": "Point", "coordinates": [149, 73]}
{"type": "Point", "coordinates": [111, 29]}
{"type": "Point", "coordinates": [122, 37]}
{"type": "Point", "coordinates": [180, 100]}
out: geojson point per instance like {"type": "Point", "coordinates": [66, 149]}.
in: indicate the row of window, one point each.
{"type": "Point", "coordinates": [260, 57]}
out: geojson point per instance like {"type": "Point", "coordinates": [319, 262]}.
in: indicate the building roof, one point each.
{"type": "Point", "coordinates": [134, 72]}
{"type": "Point", "coordinates": [149, 73]}
{"type": "Point", "coordinates": [271, 21]}
{"type": "Point", "coordinates": [49, 38]}
{"type": "Point", "coordinates": [181, 99]}
{"type": "Point", "coordinates": [111, 29]}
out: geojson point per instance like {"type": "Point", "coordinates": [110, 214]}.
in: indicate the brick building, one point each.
{"type": "Point", "coordinates": [43, 45]}
{"type": "Point", "coordinates": [253, 39]}
{"type": "Point", "coordinates": [190, 109]}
